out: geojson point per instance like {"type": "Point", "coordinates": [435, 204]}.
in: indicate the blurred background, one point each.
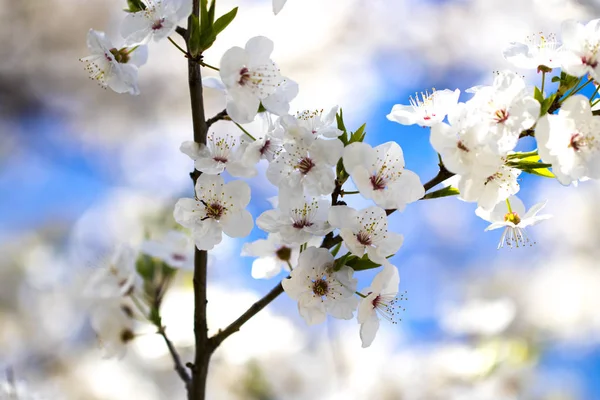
{"type": "Point", "coordinates": [82, 168]}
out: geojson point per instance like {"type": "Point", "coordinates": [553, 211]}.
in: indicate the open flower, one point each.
{"type": "Point", "coordinates": [251, 77]}
{"type": "Point", "coordinates": [174, 249]}
{"type": "Point", "coordinates": [379, 300]}
{"type": "Point", "coordinates": [538, 49]}
{"type": "Point", "coordinates": [426, 109]}
{"type": "Point", "coordinates": [511, 216]}
{"type": "Point", "coordinates": [157, 21]}
{"type": "Point", "coordinates": [221, 152]}
{"type": "Point", "coordinates": [306, 165]}
{"type": "Point", "coordinates": [218, 207]}
{"type": "Point", "coordinates": [319, 290]}
{"type": "Point", "coordinates": [297, 219]}
{"type": "Point", "coordinates": [379, 174]}
{"type": "Point", "coordinates": [570, 141]}
{"type": "Point", "coordinates": [314, 122]}
{"type": "Point", "coordinates": [112, 67]}
{"type": "Point", "coordinates": [366, 231]}
{"type": "Point", "coordinates": [581, 44]}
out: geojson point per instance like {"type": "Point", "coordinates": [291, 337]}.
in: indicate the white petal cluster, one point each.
{"type": "Point", "coordinates": [379, 174]}
{"type": "Point", "coordinates": [425, 109]}
{"type": "Point", "coordinates": [157, 21]}
{"type": "Point", "coordinates": [479, 135]}
{"type": "Point", "coordinates": [511, 216]}
{"type": "Point", "coordinates": [319, 290]}
{"type": "Point", "coordinates": [251, 78]}
{"type": "Point", "coordinates": [218, 208]}
{"type": "Point", "coordinates": [174, 249]}
{"type": "Point", "coordinates": [581, 44]}
{"type": "Point", "coordinates": [114, 68]}
{"type": "Point", "coordinates": [536, 50]}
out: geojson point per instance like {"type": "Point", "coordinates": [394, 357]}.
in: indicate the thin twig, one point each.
{"type": "Point", "coordinates": [220, 116]}
{"type": "Point", "coordinates": [179, 367]}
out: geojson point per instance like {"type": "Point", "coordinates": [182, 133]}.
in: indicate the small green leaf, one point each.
{"type": "Point", "coordinates": [211, 13]}
{"type": "Point", "coordinates": [547, 103]}
{"type": "Point", "coordinates": [522, 155]}
{"type": "Point", "coordinates": [204, 22]}
{"type": "Point", "coordinates": [224, 20]}
{"type": "Point", "coordinates": [135, 6]}
{"type": "Point", "coordinates": [359, 135]}
{"type": "Point", "coordinates": [524, 164]}
{"type": "Point", "coordinates": [556, 78]}
{"type": "Point", "coordinates": [538, 95]}
{"type": "Point", "coordinates": [144, 266]}
{"type": "Point", "coordinates": [361, 264]}
{"type": "Point", "coordinates": [343, 260]}
{"type": "Point", "coordinates": [545, 172]}
{"type": "Point", "coordinates": [336, 249]}
{"type": "Point", "coordinates": [194, 40]}
{"type": "Point", "coordinates": [443, 192]}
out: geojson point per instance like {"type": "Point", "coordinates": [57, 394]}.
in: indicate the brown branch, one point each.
{"type": "Point", "coordinates": [181, 31]}
{"type": "Point", "coordinates": [220, 116]}
{"type": "Point", "coordinates": [181, 371]}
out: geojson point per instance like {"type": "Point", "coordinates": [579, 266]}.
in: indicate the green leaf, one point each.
{"type": "Point", "coordinates": [336, 249]}
{"type": "Point", "coordinates": [443, 192]}
{"type": "Point", "coordinates": [211, 13]}
{"type": "Point", "coordinates": [194, 44]}
{"type": "Point", "coordinates": [361, 264]}
{"type": "Point", "coordinates": [359, 135]}
{"type": "Point", "coordinates": [339, 117]}
{"type": "Point", "coordinates": [205, 24]}
{"type": "Point", "coordinates": [547, 103]}
{"type": "Point", "coordinates": [343, 260]}
{"type": "Point", "coordinates": [135, 6]}
{"type": "Point", "coordinates": [144, 265]}
{"type": "Point", "coordinates": [525, 164]}
{"type": "Point", "coordinates": [545, 172]}
{"type": "Point", "coordinates": [556, 78]}
{"type": "Point", "coordinates": [224, 20]}
{"type": "Point", "coordinates": [522, 155]}
{"type": "Point", "coordinates": [538, 95]}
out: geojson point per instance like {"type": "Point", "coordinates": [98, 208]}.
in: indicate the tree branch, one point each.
{"type": "Point", "coordinates": [220, 116]}
{"type": "Point", "coordinates": [181, 371]}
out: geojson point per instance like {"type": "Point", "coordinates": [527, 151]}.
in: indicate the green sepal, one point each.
{"type": "Point", "coordinates": [362, 264]}
{"type": "Point", "coordinates": [443, 192]}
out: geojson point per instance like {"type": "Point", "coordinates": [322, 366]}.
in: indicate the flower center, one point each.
{"type": "Point", "coordinates": [178, 257]}
{"type": "Point", "coordinates": [127, 336]}
{"type": "Point", "coordinates": [320, 287]}
{"type": "Point", "coordinates": [284, 253]}
{"type": "Point", "coordinates": [158, 24]}
{"type": "Point", "coordinates": [512, 217]}
{"type": "Point", "coordinates": [589, 61]}
{"type": "Point", "coordinates": [265, 147]}
{"type": "Point", "coordinates": [301, 223]}
{"type": "Point", "coordinates": [244, 76]}
{"type": "Point", "coordinates": [577, 141]}
{"type": "Point", "coordinates": [378, 182]}
{"type": "Point", "coordinates": [364, 238]}
{"type": "Point", "coordinates": [501, 116]}
{"type": "Point", "coordinates": [305, 165]}
{"type": "Point", "coordinates": [214, 210]}
{"type": "Point", "coordinates": [220, 159]}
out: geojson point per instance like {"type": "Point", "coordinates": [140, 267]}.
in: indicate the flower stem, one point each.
{"type": "Point", "coordinates": [176, 45]}
{"type": "Point", "coordinates": [245, 131]}
{"type": "Point", "coordinates": [595, 93]}
{"type": "Point", "coordinates": [289, 265]}
{"type": "Point", "coordinates": [361, 295]}
{"type": "Point", "coordinates": [543, 81]}
{"type": "Point", "coordinates": [349, 192]}
{"type": "Point", "coordinates": [208, 66]}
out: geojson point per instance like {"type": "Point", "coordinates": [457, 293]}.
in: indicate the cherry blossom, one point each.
{"type": "Point", "coordinates": [218, 208]}
{"type": "Point", "coordinates": [314, 122]}
{"type": "Point", "coordinates": [306, 165]}
{"type": "Point", "coordinates": [378, 300]}
{"type": "Point", "coordinates": [157, 21]}
{"type": "Point", "coordinates": [297, 219]}
{"type": "Point", "coordinates": [379, 174]}
{"type": "Point", "coordinates": [490, 184]}
{"type": "Point", "coordinates": [426, 109]}
{"type": "Point", "coordinates": [251, 78]}
{"type": "Point", "coordinates": [570, 141]}
{"type": "Point", "coordinates": [112, 67]}
{"type": "Point", "coordinates": [581, 44]}
{"type": "Point", "coordinates": [366, 231]}
{"type": "Point", "coordinates": [319, 290]}
{"type": "Point", "coordinates": [538, 49]}
{"type": "Point", "coordinates": [113, 322]}
{"type": "Point", "coordinates": [511, 216]}
{"type": "Point", "coordinates": [221, 152]}
{"type": "Point", "coordinates": [174, 249]}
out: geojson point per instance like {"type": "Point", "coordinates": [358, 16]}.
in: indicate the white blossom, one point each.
{"type": "Point", "coordinates": [273, 255]}
{"type": "Point", "coordinates": [114, 325]}
{"type": "Point", "coordinates": [174, 249]}
{"type": "Point", "coordinates": [379, 174]}
{"type": "Point", "coordinates": [306, 165]}
{"type": "Point", "coordinates": [426, 109]}
{"type": "Point", "coordinates": [112, 67]}
{"type": "Point", "coordinates": [221, 152]}
{"type": "Point", "coordinates": [218, 208]}
{"type": "Point", "coordinates": [319, 290]}
{"type": "Point", "coordinates": [157, 21]}
{"type": "Point", "coordinates": [537, 49]}
{"type": "Point", "coordinates": [506, 108]}
{"type": "Point", "coordinates": [511, 216]}
{"type": "Point", "coordinates": [251, 78]}
{"type": "Point", "coordinates": [115, 276]}
{"type": "Point", "coordinates": [581, 44]}
{"type": "Point", "coordinates": [570, 141]}
{"type": "Point", "coordinates": [366, 231]}
{"type": "Point", "coordinates": [379, 300]}
{"type": "Point", "coordinates": [492, 183]}
{"type": "Point", "coordinates": [297, 219]}
{"type": "Point", "coordinates": [314, 122]}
